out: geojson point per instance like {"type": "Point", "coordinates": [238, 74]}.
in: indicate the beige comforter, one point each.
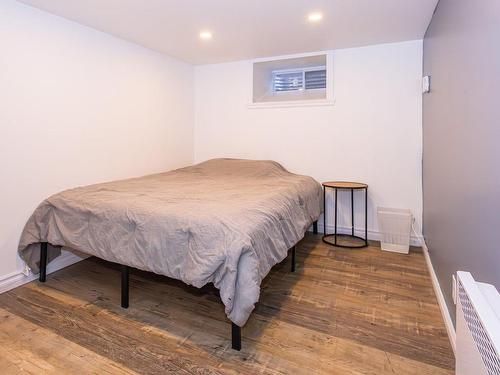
{"type": "Point", "coordinates": [224, 221]}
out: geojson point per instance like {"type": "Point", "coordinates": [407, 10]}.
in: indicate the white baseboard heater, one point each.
{"type": "Point", "coordinates": [478, 327]}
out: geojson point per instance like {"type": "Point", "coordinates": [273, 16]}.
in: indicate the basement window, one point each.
{"type": "Point", "coordinates": [302, 79]}
{"type": "Point", "coordinates": [292, 81]}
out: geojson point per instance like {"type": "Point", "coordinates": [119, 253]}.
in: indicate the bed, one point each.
{"type": "Point", "coordinates": [223, 221]}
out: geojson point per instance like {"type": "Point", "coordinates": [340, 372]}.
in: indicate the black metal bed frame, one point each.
{"type": "Point", "coordinates": [125, 272]}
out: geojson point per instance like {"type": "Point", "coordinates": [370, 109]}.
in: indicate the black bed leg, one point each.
{"type": "Point", "coordinates": [125, 277]}
{"type": "Point", "coordinates": [236, 336]}
{"type": "Point", "coordinates": [43, 262]}
{"type": "Point", "coordinates": [293, 259]}
{"type": "Point", "coordinates": [315, 227]}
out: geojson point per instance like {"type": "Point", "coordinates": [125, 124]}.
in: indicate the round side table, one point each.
{"type": "Point", "coordinates": [335, 239]}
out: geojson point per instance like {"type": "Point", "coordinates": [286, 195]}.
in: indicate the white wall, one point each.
{"type": "Point", "coordinates": [373, 132]}
{"type": "Point", "coordinates": [78, 106]}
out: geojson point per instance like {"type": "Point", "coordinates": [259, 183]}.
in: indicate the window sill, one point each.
{"type": "Point", "coordinates": [294, 103]}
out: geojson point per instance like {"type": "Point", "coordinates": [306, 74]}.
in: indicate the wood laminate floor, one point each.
{"type": "Point", "coordinates": [342, 312]}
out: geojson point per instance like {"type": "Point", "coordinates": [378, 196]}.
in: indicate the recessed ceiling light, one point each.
{"type": "Point", "coordinates": [315, 17]}
{"type": "Point", "coordinates": [206, 35]}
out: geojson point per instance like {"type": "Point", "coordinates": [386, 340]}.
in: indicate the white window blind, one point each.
{"type": "Point", "coordinates": [299, 79]}
{"type": "Point", "coordinates": [315, 79]}
{"type": "Point", "coordinates": [288, 81]}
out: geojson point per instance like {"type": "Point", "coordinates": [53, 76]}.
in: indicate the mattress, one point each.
{"type": "Point", "coordinates": [223, 221]}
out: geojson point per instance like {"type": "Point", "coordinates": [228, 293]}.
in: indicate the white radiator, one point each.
{"type": "Point", "coordinates": [478, 327]}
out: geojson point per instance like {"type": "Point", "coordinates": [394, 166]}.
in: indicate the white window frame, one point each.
{"type": "Point", "coordinates": [330, 79]}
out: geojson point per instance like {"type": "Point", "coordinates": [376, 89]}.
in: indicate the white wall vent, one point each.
{"type": "Point", "coordinates": [478, 327]}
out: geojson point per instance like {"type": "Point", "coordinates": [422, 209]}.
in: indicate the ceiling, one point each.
{"type": "Point", "coordinates": [245, 29]}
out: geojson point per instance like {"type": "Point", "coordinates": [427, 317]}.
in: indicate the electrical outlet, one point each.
{"type": "Point", "coordinates": [454, 289]}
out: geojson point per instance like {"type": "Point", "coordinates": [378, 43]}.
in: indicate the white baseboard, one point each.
{"type": "Point", "coordinates": [372, 234]}
{"type": "Point", "coordinates": [18, 278]}
{"type": "Point", "coordinates": [440, 297]}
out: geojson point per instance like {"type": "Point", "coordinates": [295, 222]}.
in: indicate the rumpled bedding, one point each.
{"type": "Point", "coordinates": [223, 221]}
